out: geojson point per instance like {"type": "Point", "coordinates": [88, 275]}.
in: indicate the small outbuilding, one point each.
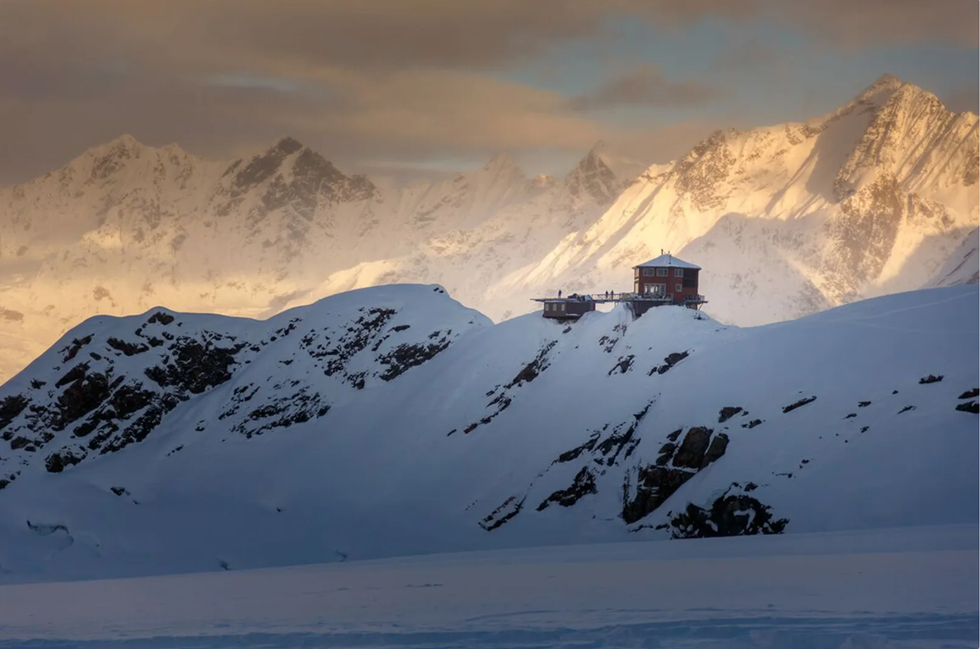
{"type": "Point", "coordinates": [570, 308]}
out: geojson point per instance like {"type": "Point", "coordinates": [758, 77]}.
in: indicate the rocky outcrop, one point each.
{"type": "Point", "coordinates": [728, 412]}
{"type": "Point", "coordinates": [798, 404]}
{"type": "Point", "coordinates": [733, 514]}
{"type": "Point", "coordinates": [653, 484]}
{"type": "Point", "coordinates": [582, 485]}
{"type": "Point", "coordinates": [670, 361]}
{"type": "Point", "coordinates": [505, 512]}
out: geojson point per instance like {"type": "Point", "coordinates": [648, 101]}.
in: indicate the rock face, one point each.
{"type": "Point", "coordinates": [654, 484]}
{"type": "Point", "coordinates": [729, 515]}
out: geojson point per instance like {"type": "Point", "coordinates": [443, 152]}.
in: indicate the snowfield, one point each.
{"type": "Point", "coordinates": [877, 589]}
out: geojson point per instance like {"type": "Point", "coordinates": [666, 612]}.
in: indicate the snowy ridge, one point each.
{"type": "Point", "coordinates": [394, 421]}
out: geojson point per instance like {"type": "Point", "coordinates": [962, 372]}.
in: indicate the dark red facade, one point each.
{"type": "Point", "coordinates": [673, 283]}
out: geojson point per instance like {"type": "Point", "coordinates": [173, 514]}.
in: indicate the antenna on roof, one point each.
{"type": "Point", "coordinates": [661, 251]}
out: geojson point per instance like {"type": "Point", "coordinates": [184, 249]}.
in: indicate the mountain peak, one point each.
{"type": "Point", "coordinates": [599, 148]}
{"type": "Point", "coordinates": [286, 145]}
{"type": "Point", "coordinates": [885, 85]}
{"type": "Point", "coordinates": [500, 161]}
{"type": "Point", "coordinates": [125, 140]}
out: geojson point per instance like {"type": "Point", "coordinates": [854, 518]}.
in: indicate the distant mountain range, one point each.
{"type": "Point", "coordinates": [878, 197]}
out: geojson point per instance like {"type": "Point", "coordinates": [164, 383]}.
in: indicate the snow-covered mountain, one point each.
{"type": "Point", "coordinates": [394, 420]}
{"type": "Point", "coordinates": [790, 219]}
{"type": "Point", "coordinates": [126, 226]}
{"type": "Point", "coordinates": [785, 220]}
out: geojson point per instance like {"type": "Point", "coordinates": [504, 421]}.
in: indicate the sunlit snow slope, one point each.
{"type": "Point", "coordinates": [394, 421]}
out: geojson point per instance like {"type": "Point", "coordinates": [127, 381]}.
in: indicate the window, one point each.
{"type": "Point", "coordinates": [656, 290]}
{"type": "Point", "coordinates": [562, 306]}
{"type": "Point", "coordinates": [678, 272]}
{"type": "Point", "coordinates": [661, 272]}
{"type": "Point", "coordinates": [648, 272]}
{"type": "Point", "coordinates": [678, 287]}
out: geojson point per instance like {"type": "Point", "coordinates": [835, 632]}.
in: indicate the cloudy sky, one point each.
{"type": "Point", "coordinates": [395, 86]}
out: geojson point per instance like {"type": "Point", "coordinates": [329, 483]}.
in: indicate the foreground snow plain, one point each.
{"type": "Point", "coordinates": [870, 589]}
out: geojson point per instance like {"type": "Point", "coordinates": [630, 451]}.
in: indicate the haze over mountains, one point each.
{"type": "Point", "coordinates": [878, 197]}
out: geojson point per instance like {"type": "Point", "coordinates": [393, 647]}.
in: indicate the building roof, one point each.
{"type": "Point", "coordinates": [664, 261]}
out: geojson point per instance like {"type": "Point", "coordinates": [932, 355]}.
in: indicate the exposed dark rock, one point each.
{"type": "Point", "coordinates": [970, 394]}
{"type": "Point", "coordinates": [691, 452]}
{"type": "Point", "coordinates": [86, 392]}
{"type": "Point", "coordinates": [506, 511]}
{"type": "Point", "coordinates": [582, 485]}
{"type": "Point", "coordinates": [727, 413]}
{"type": "Point", "coordinates": [729, 515]}
{"type": "Point", "coordinates": [719, 443]}
{"type": "Point", "coordinates": [674, 435]}
{"type": "Point", "coordinates": [612, 446]}
{"type": "Point", "coordinates": [930, 379]}
{"type": "Point", "coordinates": [864, 429]}
{"type": "Point", "coordinates": [802, 402]}
{"type": "Point", "coordinates": [119, 491]}
{"type": "Point", "coordinates": [10, 408]}
{"type": "Point", "coordinates": [400, 328]}
{"type": "Point", "coordinates": [72, 375]}
{"type": "Point", "coordinates": [906, 409]}
{"type": "Point", "coordinates": [534, 368]}
{"type": "Point", "coordinates": [655, 484]}
{"type": "Point", "coordinates": [195, 366]}
{"type": "Point", "coordinates": [76, 345]}
{"type": "Point", "coordinates": [752, 424]}
{"type": "Point", "coordinates": [665, 453]}
{"type": "Point", "coordinates": [58, 462]}
{"type": "Point", "coordinates": [622, 366]}
{"type": "Point", "coordinates": [282, 412]}
{"type": "Point", "coordinates": [574, 453]}
{"type": "Point", "coordinates": [865, 404]}
{"type": "Point", "coordinates": [851, 416]}
{"type": "Point", "coordinates": [37, 385]}
{"type": "Point", "coordinates": [161, 317]}
{"type": "Point", "coordinates": [670, 361]}
{"type": "Point", "coordinates": [18, 443]}
{"type": "Point", "coordinates": [129, 399]}
{"type": "Point", "coordinates": [970, 406]}
{"type": "Point", "coordinates": [129, 349]}
{"type": "Point", "coordinates": [136, 431]}
{"type": "Point", "coordinates": [407, 356]}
